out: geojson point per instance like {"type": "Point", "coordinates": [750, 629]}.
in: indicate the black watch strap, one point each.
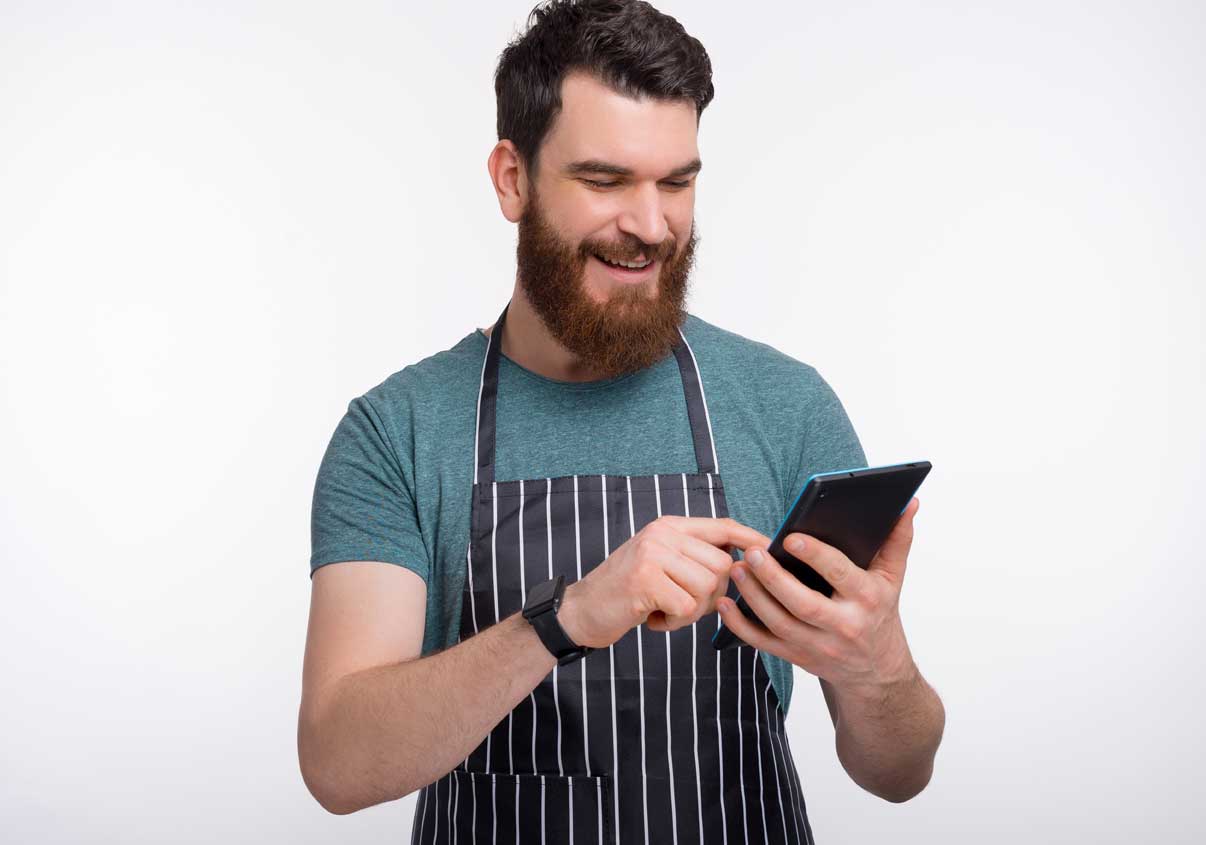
{"type": "Point", "coordinates": [540, 609]}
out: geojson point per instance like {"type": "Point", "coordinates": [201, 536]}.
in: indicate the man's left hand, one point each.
{"type": "Point", "coordinates": [855, 639]}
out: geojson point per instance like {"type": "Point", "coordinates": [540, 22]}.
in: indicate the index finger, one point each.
{"type": "Point", "coordinates": [830, 563]}
{"type": "Point", "coordinates": [724, 532]}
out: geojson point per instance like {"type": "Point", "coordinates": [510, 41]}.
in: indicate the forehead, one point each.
{"type": "Point", "coordinates": [647, 135]}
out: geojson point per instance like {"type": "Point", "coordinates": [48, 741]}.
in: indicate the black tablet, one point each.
{"type": "Point", "coordinates": [853, 510]}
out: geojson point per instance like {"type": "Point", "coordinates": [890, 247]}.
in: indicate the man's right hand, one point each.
{"type": "Point", "coordinates": [667, 575]}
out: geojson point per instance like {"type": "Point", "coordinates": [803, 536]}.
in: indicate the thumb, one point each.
{"type": "Point", "coordinates": [892, 557]}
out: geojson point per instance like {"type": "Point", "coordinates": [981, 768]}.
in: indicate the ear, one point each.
{"type": "Point", "coordinates": [510, 179]}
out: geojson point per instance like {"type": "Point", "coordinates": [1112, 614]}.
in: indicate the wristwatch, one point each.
{"type": "Point", "coordinates": [540, 609]}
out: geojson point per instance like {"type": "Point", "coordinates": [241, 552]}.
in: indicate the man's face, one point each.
{"type": "Point", "coordinates": [614, 320]}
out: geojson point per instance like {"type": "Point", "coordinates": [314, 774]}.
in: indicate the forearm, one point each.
{"type": "Point", "coordinates": [887, 739]}
{"type": "Point", "coordinates": [390, 730]}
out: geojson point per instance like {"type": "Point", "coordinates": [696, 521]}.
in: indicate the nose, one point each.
{"type": "Point", "coordinates": [643, 216]}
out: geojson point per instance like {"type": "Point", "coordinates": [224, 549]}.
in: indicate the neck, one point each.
{"type": "Point", "coordinates": [527, 342]}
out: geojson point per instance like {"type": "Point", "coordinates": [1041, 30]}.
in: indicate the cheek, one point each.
{"type": "Point", "coordinates": [577, 215]}
{"type": "Point", "coordinates": [587, 216]}
{"type": "Point", "coordinates": [682, 222]}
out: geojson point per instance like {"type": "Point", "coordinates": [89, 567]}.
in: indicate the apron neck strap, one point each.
{"type": "Point", "coordinates": [487, 405]}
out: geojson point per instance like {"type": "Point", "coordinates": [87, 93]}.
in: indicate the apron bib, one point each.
{"type": "Point", "coordinates": [658, 738]}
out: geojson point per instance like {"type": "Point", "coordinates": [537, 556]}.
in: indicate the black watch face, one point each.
{"type": "Point", "coordinates": [541, 597]}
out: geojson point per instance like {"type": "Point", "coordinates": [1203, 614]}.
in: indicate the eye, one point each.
{"type": "Point", "coordinates": [595, 183]}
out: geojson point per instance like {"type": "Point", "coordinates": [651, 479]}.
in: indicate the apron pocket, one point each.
{"type": "Point", "coordinates": [503, 808]}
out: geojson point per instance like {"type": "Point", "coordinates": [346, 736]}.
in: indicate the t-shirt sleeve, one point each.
{"type": "Point", "coordinates": [364, 503]}
{"type": "Point", "coordinates": [829, 441]}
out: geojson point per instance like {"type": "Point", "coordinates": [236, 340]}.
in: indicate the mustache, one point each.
{"type": "Point", "coordinates": [630, 250]}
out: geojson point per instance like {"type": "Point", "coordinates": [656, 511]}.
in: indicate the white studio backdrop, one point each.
{"type": "Point", "coordinates": [219, 222]}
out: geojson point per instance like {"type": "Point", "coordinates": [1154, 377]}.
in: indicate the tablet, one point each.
{"type": "Point", "coordinates": [853, 510]}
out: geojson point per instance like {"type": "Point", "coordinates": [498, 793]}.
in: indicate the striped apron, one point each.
{"type": "Point", "coordinates": [658, 738]}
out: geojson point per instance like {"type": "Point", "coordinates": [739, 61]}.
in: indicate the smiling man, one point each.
{"type": "Point", "coordinates": [533, 535]}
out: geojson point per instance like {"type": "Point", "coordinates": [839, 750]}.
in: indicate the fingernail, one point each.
{"type": "Point", "coordinates": [754, 556]}
{"type": "Point", "coordinates": [738, 573]}
{"type": "Point", "coordinates": [797, 544]}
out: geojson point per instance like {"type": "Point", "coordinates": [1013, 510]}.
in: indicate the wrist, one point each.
{"type": "Point", "coordinates": [571, 617]}
{"type": "Point", "coordinates": [536, 645]}
{"type": "Point", "coordinates": [878, 693]}
{"type": "Point", "coordinates": [544, 610]}
{"type": "Point", "coordinates": [569, 614]}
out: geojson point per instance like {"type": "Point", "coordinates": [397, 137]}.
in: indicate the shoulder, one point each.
{"type": "Point", "coordinates": [431, 385]}
{"type": "Point", "coordinates": [771, 397]}
{"type": "Point", "coordinates": [744, 368]}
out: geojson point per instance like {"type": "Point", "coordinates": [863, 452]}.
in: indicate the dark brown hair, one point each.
{"type": "Point", "coordinates": [626, 44]}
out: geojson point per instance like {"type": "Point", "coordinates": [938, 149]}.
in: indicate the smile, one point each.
{"type": "Point", "coordinates": [631, 265]}
{"type": "Point", "coordinates": [627, 271]}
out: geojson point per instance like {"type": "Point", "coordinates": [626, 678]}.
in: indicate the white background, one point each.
{"type": "Point", "coordinates": [219, 222]}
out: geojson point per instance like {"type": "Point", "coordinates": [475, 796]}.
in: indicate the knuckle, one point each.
{"type": "Point", "coordinates": [778, 626]}
{"type": "Point", "coordinates": [851, 630]}
{"type": "Point", "coordinates": [644, 543]}
{"type": "Point", "coordinates": [637, 608]}
{"type": "Point", "coordinates": [648, 571]}
{"type": "Point", "coordinates": [771, 578]}
{"type": "Point", "coordinates": [665, 523]}
{"type": "Point", "coordinates": [830, 650]}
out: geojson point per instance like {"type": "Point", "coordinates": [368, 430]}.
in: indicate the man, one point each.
{"type": "Point", "coordinates": [535, 540]}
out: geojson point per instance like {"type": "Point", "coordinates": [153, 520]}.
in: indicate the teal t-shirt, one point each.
{"type": "Point", "coordinates": [395, 483]}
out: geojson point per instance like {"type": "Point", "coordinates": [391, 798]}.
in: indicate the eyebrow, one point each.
{"type": "Point", "coordinates": [593, 165]}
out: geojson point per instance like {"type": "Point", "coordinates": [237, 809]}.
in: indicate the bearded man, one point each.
{"type": "Point", "coordinates": [523, 544]}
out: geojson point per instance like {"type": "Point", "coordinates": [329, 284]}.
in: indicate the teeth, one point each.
{"type": "Point", "coordinates": [630, 265]}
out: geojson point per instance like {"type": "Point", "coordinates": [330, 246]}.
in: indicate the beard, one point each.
{"type": "Point", "coordinates": [638, 323]}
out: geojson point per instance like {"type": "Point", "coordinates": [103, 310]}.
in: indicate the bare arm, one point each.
{"type": "Point", "coordinates": [887, 742]}
{"type": "Point", "coordinates": [377, 722]}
